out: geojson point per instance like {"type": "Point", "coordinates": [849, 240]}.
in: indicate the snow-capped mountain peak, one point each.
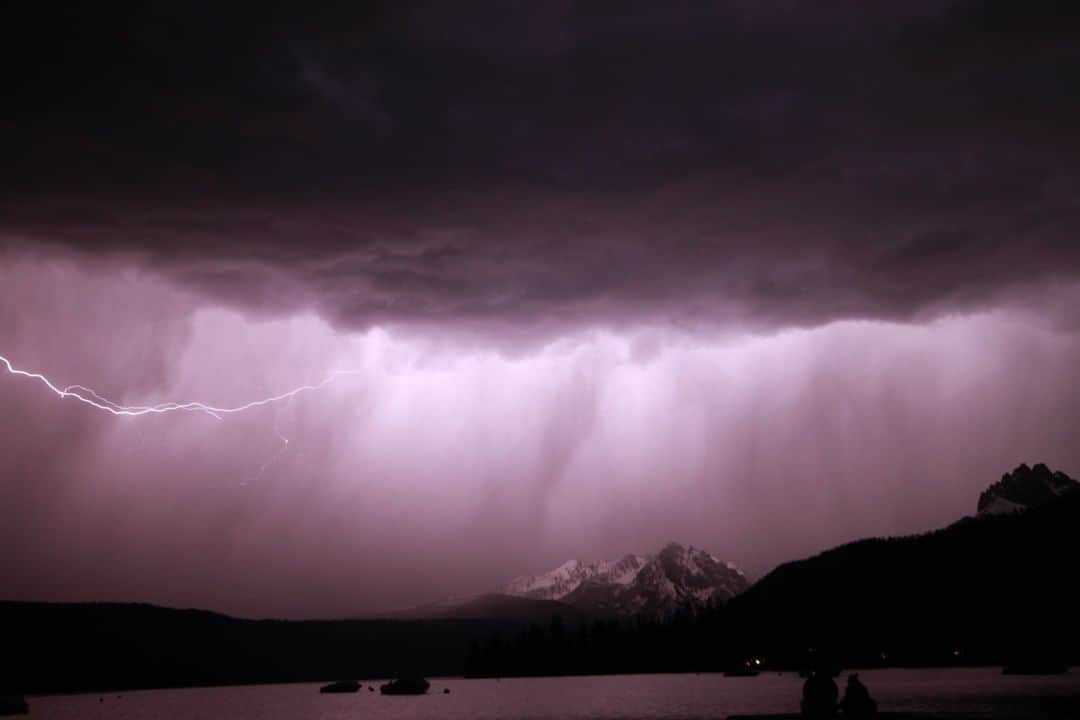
{"type": "Point", "coordinates": [566, 578]}
{"type": "Point", "coordinates": [675, 577]}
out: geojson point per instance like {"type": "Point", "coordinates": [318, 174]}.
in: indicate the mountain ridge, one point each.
{"type": "Point", "coordinates": [674, 578]}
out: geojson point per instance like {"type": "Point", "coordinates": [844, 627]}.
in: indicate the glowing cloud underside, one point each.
{"type": "Point", "coordinates": [90, 397]}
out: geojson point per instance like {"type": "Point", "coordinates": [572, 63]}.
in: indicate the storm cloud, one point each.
{"type": "Point", "coordinates": [557, 164]}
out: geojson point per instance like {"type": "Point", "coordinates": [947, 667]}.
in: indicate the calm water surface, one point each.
{"type": "Point", "coordinates": [975, 693]}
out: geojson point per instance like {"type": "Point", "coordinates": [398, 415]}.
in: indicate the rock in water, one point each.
{"type": "Point", "coordinates": [406, 685]}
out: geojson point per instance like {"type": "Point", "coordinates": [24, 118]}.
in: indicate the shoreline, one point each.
{"type": "Point", "coordinates": [717, 673]}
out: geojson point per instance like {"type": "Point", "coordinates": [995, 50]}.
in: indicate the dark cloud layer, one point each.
{"type": "Point", "coordinates": [766, 164]}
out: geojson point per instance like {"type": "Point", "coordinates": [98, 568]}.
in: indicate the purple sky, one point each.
{"type": "Point", "coordinates": [760, 277]}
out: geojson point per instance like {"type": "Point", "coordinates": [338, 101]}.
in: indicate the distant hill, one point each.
{"type": "Point", "coordinates": [986, 588]}
{"type": "Point", "coordinates": [66, 647]}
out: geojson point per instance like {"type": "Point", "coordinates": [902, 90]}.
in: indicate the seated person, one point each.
{"type": "Point", "coordinates": [857, 703]}
{"type": "Point", "coordinates": [819, 696]}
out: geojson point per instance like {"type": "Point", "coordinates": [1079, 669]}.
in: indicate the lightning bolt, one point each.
{"type": "Point", "coordinates": [277, 455]}
{"type": "Point", "coordinates": [90, 397]}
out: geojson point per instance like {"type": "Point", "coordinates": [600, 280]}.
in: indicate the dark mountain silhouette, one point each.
{"type": "Point", "coordinates": [988, 588]}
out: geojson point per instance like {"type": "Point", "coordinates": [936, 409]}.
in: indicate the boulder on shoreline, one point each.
{"type": "Point", "coordinates": [341, 686]}
{"type": "Point", "coordinates": [406, 685]}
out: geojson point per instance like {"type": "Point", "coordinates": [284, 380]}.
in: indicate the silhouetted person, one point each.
{"type": "Point", "coordinates": [819, 696]}
{"type": "Point", "coordinates": [857, 703]}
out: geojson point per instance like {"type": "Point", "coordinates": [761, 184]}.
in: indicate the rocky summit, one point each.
{"type": "Point", "coordinates": [675, 578]}
{"type": "Point", "coordinates": [1024, 488]}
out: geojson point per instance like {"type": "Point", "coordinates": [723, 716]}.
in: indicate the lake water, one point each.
{"type": "Point", "coordinates": [965, 692]}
